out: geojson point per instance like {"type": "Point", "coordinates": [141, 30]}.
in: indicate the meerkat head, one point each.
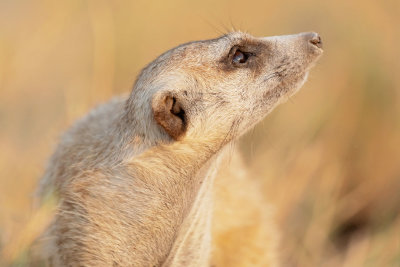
{"type": "Point", "coordinates": [222, 86]}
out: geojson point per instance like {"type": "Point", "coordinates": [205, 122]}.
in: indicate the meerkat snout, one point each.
{"type": "Point", "coordinates": [314, 39]}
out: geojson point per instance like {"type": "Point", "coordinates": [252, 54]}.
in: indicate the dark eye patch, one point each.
{"type": "Point", "coordinates": [250, 54]}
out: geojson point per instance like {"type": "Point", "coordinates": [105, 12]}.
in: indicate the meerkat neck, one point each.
{"type": "Point", "coordinates": [183, 175]}
{"type": "Point", "coordinates": [193, 243]}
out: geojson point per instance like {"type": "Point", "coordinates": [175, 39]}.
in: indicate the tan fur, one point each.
{"type": "Point", "coordinates": [135, 177]}
{"type": "Point", "coordinates": [243, 230]}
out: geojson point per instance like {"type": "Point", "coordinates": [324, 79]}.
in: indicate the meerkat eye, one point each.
{"type": "Point", "coordinates": [239, 57]}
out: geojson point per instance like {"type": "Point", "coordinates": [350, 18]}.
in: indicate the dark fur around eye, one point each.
{"type": "Point", "coordinates": [246, 55]}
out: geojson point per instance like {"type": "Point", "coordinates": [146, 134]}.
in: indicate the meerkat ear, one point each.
{"type": "Point", "coordinates": [169, 113]}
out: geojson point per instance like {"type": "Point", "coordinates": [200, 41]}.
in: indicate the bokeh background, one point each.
{"type": "Point", "coordinates": [328, 160]}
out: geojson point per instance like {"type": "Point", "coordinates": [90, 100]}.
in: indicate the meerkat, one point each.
{"type": "Point", "coordinates": [135, 177]}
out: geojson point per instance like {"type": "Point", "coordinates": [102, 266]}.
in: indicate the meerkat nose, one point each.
{"type": "Point", "coordinates": [314, 39]}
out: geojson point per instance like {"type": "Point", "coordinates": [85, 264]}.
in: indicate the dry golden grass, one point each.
{"type": "Point", "coordinates": [329, 160]}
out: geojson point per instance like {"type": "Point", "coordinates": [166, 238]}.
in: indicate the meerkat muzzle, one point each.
{"type": "Point", "coordinates": [315, 39]}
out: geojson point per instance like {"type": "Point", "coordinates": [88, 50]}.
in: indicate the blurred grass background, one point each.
{"type": "Point", "coordinates": [328, 160]}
